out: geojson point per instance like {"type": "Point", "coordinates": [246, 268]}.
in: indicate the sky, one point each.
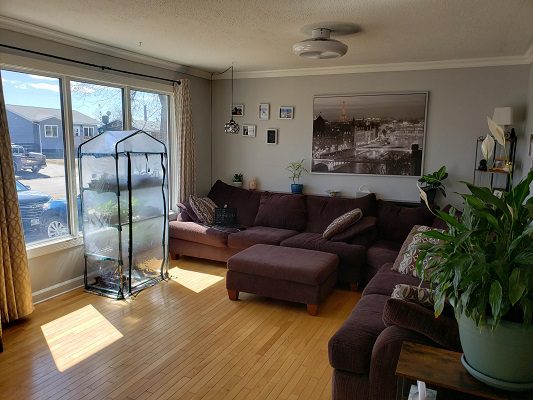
{"type": "Point", "coordinates": [396, 106]}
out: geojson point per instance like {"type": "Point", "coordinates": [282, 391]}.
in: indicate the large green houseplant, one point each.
{"type": "Point", "coordinates": [483, 265]}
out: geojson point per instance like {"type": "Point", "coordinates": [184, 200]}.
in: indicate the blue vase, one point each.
{"type": "Point", "coordinates": [297, 188]}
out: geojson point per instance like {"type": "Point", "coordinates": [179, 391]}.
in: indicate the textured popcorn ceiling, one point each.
{"type": "Point", "coordinates": [258, 35]}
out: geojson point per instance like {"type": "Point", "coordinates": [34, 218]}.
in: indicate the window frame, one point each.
{"type": "Point", "coordinates": [74, 238]}
{"type": "Point", "coordinates": [53, 135]}
{"type": "Point", "coordinates": [90, 131]}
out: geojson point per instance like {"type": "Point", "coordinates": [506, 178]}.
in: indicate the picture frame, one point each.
{"type": "Point", "coordinates": [264, 111]}
{"type": "Point", "coordinates": [286, 112]}
{"type": "Point", "coordinates": [237, 110]}
{"type": "Point", "coordinates": [272, 136]}
{"type": "Point", "coordinates": [249, 130]}
{"type": "Point", "coordinates": [374, 134]}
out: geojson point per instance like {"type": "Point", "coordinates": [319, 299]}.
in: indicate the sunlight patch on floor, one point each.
{"type": "Point", "coordinates": [75, 337]}
{"type": "Point", "coordinates": [194, 280]}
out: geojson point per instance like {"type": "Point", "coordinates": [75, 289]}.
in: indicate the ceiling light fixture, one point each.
{"type": "Point", "coordinates": [231, 126]}
{"type": "Point", "coordinates": [320, 45]}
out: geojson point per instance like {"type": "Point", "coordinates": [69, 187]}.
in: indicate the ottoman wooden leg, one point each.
{"type": "Point", "coordinates": [312, 309]}
{"type": "Point", "coordinates": [233, 295]}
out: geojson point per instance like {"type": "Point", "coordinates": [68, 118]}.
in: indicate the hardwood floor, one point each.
{"type": "Point", "coordinates": [181, 339]}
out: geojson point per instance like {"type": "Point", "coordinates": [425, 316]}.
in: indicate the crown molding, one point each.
{"type": "Point", "coordinates": [86, 44]}
{"type": "Point", "coordinates": [392, 67]}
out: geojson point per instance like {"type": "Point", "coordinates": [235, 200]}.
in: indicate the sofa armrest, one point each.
{"type": "Point", "coordinates": [408, 315]}
{"type": "Point", "coordinates": [385, 355]}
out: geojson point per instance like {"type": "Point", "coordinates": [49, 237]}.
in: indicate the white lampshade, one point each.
{"type": "Point", "coordinates": [503, 116]}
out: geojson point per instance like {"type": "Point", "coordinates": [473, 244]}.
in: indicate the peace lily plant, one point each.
{"type": "Point", "coordinates": [483, 265]}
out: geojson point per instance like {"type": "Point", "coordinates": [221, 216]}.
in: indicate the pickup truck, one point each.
{"type": "Point", "coordinates": [23, 159]}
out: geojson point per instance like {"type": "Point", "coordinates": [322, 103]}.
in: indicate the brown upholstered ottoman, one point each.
{"type": "Point", "coordinates": [284, 273]}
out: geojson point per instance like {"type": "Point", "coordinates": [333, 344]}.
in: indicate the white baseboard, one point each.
{"type": "Point", "coordinates": [57, 289]}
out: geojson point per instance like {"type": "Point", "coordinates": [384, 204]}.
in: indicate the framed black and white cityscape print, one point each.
{"type": "Point", "coordinates": [372, 134]}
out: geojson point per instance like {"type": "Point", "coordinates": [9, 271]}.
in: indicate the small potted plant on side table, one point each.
{"type": "Point", "coordinates": [296, 168]}
{"type": "Point", "coordinates": [237, 180]}
{"type": "Point", "coordinates": [433, 182]}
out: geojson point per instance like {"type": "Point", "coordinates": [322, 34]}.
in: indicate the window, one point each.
{"type": "Point", "coordinates": [50, 131]}
{"type": "Point", "coordinates": [88, 131]}
{"type": "Point", "coordinates": [150, 112]}
{"type": "Point", "coordinates": [76, 131]}
{"type": "Point", "coordinates": [39, 164]}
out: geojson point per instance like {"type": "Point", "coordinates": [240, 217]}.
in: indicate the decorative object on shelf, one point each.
{"type": "Point", "coordinates": [333, 193]}
{"type": "Point", "coordinates": [264, 111]}
{"type": "Point", "coordinates": [272, 136]}
{"type": "Point", "coordinates": [320, 45]}
{"type": "Point", "coordinates": [494, 165]}
{"type": "Point", "coordinates": [232, 126]}
{"type": "Point", "coordinates": [296, 168]}
{"type": "Point", "coordinates": [124, 208]}
{"type": "Point", "coordinates": [237, 110]}
{"type": "Point", "coordinates": [286, 112]}
{"type": "Point", "coordinates": [433, 182]}
{"type": "Point", "coordinates": [482, 265]}
{"type": "Point", "coordinates": [363, 191]}
{"type": "Point", "coordinates": [371, 134]}
{"type": "Point", "coordinates": [237, 180]}
{"type": "Point", "coordinates": [248, 130]}
{"type": "Point", "coordinates": [253, 184]}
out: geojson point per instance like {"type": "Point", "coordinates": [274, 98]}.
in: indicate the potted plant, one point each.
{"type": "Point", "coordinates": [237, 180]}
{"type": "Point", "coordinates": [483, 265]}
{"type": "Point", "coordinates": [296, 168]}
{"type": "Point", "coordinates": [433, 182]}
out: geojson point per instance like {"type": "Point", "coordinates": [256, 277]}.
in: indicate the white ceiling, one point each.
{"type": "Point", "coordinates": [258, 35]}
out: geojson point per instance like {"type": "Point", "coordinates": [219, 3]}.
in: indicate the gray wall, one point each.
{"type": "Point", "coordinates": [56, 272]}
{"type": "Point", "coordinates": [527, 161]}
{"type": "Point", "coordinates": [459, 101]}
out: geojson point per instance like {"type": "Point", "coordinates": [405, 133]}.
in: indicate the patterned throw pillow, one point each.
{"type": "Point", "coordinates": [204, 208]}
{"type": "Point", "coordinates": [414, 294]}
{"type": "Point", "coordinates": [341, 223]}
{"type": "Point", "coordinates": [406, 260]}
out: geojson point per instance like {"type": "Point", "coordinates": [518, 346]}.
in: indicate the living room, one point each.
{"type": "Point", "coordinates": [236, 61]}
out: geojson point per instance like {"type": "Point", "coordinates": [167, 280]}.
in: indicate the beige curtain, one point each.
{"type": "Point", "coordinates": [15, 287]}
{"type": "Point", "coordinates": [186, 145]}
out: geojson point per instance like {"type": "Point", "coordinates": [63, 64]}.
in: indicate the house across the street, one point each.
{"type": "Point", "coordinates": [40, 129]}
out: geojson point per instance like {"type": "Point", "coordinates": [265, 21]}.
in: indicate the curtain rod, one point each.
{"type": "Point", "coordinates": [102, 67]}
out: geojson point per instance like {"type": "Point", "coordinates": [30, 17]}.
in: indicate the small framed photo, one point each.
{"type": "Point", "coordinates": [237, 110]}
{"type": "Point", "coordinates": [272, 136]}
{"type": "Point", "coordinates": [264, 111]}
{"type": "Point", "coordinates": [248, 130]}
{"type": "Point", "coordinates": [286, 112]}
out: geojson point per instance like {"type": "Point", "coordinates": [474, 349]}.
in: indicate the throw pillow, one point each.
{"type": "Point", "coordinates": [406, 260]}
{"type": "Point", "coordinates": [204, 208]}
{"type": "Point", "coordinates": [415, 294]}
{"type": "Point", "coordinates": [395, 221]}
{"type": "Point", "coordinates": [343, 222]}
{"type": "Point", "coordinates": [363, 226]}
{"type": "Point", "coordinates": [188, 212]}
{"type": "Point", "coordinates": [283, 211]}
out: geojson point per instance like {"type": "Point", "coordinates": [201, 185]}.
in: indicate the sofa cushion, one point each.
{"type": "Point", "coordinates": [322, 210]}
{"type": "Point", "coordinates": [395, 222]}
{"type": "Point", "coordinates": [385, 280]}
{"type": "Point", "coordinates": [348, 253]}
{"type": "Point", "coordinates": [275, 262]}
{"type": "Point", "coordinates": [381, 252]}
{"type": "Point", "coordinates": [280, 210]}
{"type": "Point", "coordinates": [415, 294]}
{"type": "Point", "coordinates": [442, 330]}
{"type": "Point", "coordinates": [350, 348]}
{"type": "Point", "coordinates": [361, 227]}
{"type": "Point", "coordinates": [258, 235]}
{"type": "Point", "coordinates": [204, 208]}
{"type": "Point", "coordinates": [405, 263]}
{"type": "Point", "coordinates": [193, 232]}
{"type": "Point", "coordinates": [245, 201]}
{"type": "Point", "coordinates": [340, 224]}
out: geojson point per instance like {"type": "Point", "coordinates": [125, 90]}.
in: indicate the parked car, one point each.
{"type": "Point", "coordinates": [31, 205]}
{"type": "Point", "coordinates": [54, 219]}
{"type": "Point", "coordinates": [23, 159]}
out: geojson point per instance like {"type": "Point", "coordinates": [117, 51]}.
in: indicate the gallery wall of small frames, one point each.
{"type": "Point", "coordinates": [263, 114]}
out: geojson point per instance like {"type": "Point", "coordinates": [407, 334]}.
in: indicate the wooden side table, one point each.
{"type": "Point", "coordinates": [442, 370]}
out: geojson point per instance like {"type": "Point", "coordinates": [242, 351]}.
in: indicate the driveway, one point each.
{"type": "Point", "coordinates": [49, 180]}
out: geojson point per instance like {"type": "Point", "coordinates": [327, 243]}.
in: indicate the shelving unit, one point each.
{"type": "Point", "coordinates": [124, 202]}
{"type": "Point", "coordinates": [496, 178]}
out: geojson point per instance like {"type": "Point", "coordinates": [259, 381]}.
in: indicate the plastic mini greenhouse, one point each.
{"type": "Point", "coordinates": [124, 192]}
